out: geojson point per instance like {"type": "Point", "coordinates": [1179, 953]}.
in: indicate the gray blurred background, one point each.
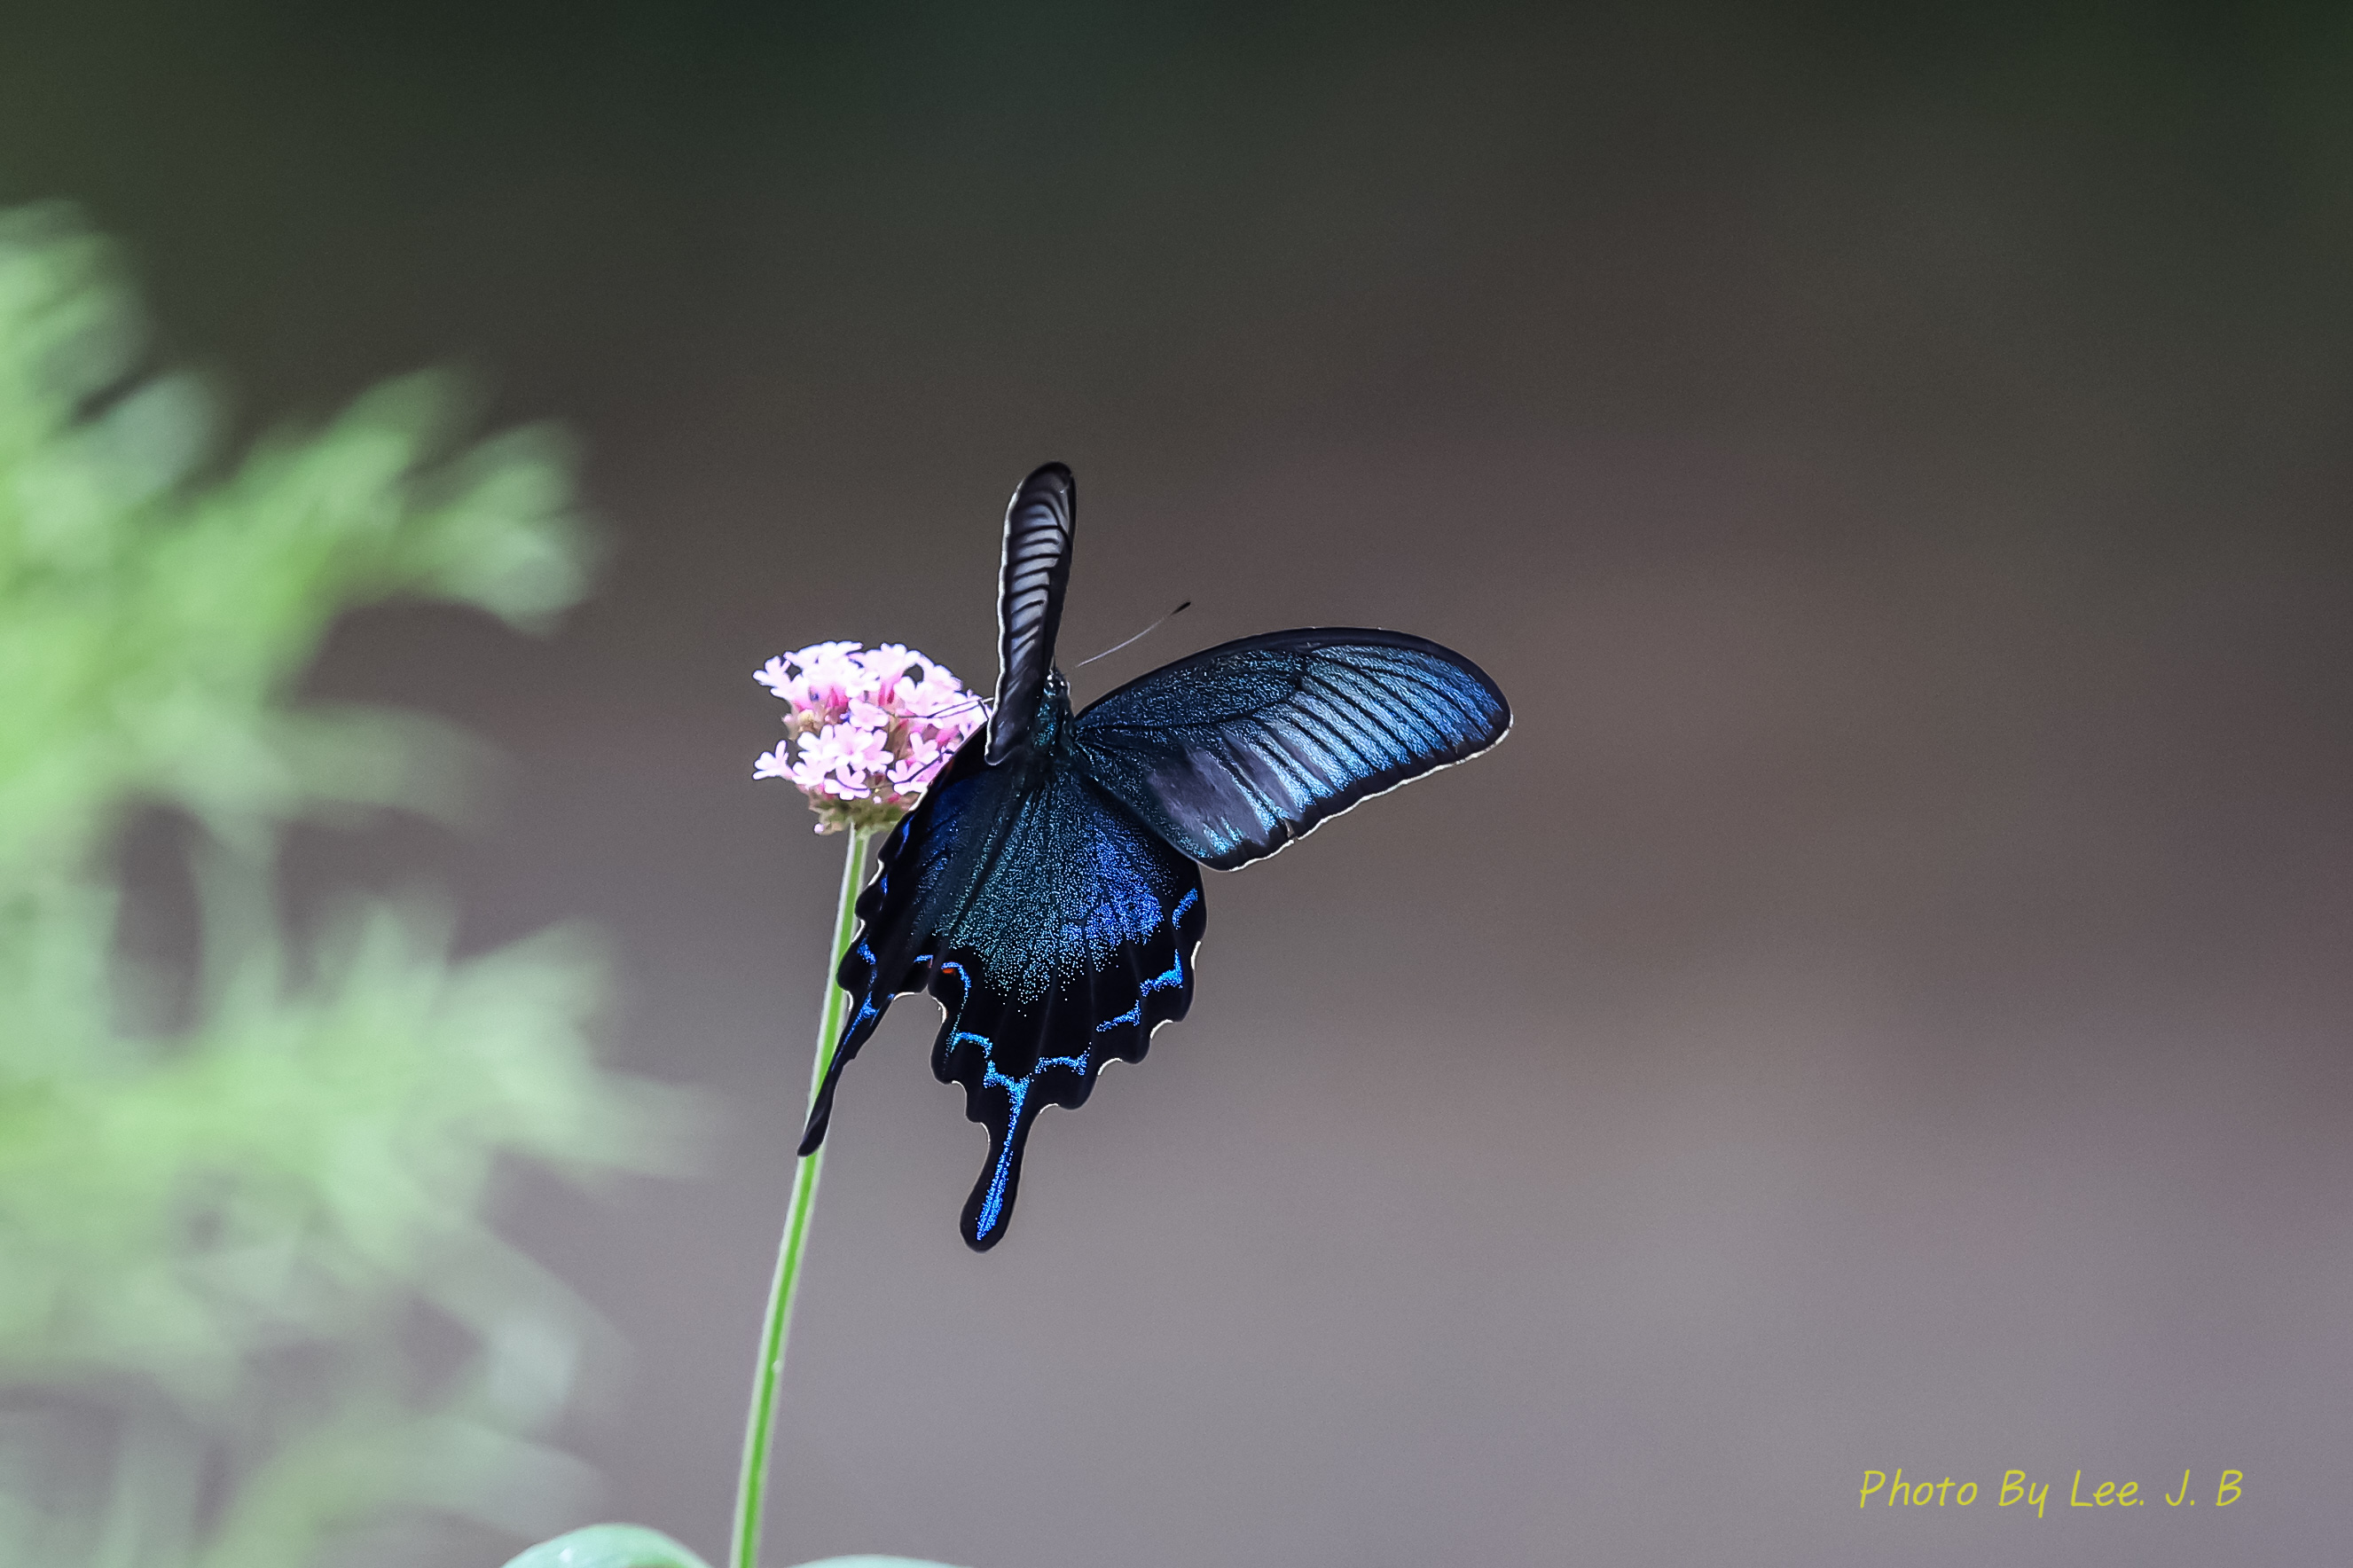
{"type": "Point", "coordinates": [1885, 1004]}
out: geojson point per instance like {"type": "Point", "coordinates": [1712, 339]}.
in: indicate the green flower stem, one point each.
{"type": "Point", "coordinates": [752, 1489]}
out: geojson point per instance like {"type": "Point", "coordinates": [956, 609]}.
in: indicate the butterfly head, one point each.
{"type": "Point", "coordinates": [1048, 728]}
{"type": "Point", "coordinates": [1053, 714]}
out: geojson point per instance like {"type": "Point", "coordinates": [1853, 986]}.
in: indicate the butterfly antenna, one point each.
{"type": "Point", "coordinates": [1139, 636]}
{"type": "Point", "coordinates": [973, 701]}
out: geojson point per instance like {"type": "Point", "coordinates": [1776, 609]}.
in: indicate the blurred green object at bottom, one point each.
{"type": "Point", "coordinates": [635, 1546]}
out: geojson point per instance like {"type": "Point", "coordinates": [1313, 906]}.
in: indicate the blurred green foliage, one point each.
{"type": "Point", "coordinates": [249, 1303]}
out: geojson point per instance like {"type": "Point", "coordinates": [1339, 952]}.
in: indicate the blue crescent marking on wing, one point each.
{"type": "Point", "coordinates": [1167, 979]}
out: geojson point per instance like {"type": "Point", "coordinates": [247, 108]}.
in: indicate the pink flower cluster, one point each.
{"type": "Point", "coordinates": [869, 729]}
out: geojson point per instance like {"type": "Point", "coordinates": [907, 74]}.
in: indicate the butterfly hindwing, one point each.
{"type": "Point", "coordinates": [1235, 751]}
{"type": "Point", "coordinates": [1054, 929]}
{"type": "Point", "coordinates": [1039, 524]}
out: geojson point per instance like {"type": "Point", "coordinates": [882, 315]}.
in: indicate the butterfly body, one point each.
{"type": "Point", "coordinates": [1047, 890]}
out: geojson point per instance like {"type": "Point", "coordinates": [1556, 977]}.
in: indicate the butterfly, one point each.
{"type": "Point", "coordinates": [1047, 888]}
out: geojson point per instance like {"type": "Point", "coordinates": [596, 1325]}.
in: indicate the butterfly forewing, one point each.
{"type": "Point", "coordinates": [1234, 753]}
{"type": "Point", "coordinates": [1039, 523]}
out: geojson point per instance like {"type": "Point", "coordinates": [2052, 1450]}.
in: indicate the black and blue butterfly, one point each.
{"type": "Point", "coordinates": [1047, 890]}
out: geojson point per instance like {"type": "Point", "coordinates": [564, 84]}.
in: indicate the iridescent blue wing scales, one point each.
{"type": "Point", "coordinates": [1237, 752]}
{"type": "Point", "coordinates": [1055, 932]}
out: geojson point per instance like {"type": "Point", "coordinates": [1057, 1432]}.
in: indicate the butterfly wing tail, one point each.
{"type": "Point", "coordinates": [820, 1114]}
{"type": "Point", "coordinates": [989, 1046]}
{"type": "Point", "coordinates": [862, 974]}
{"type": "Point", "coordinates": [1009, 1107]}
{"type": "Point", "coordinates": [855, 1033]}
